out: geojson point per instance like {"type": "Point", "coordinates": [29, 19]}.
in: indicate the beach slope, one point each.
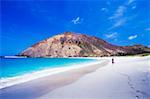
{"type": "Point", "coordinates": [35, 88]}
{"type": "Point", "coordinates": [127, 78]}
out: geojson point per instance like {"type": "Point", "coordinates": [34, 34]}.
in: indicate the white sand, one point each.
{"type": "Point", "coordinates": [43, 73]}
{"type": "Point", "coordinates": [43, 85]}
{"type": "Point", "coordinates": [128, 78]}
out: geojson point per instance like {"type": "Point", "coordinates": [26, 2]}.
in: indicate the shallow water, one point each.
{"type": "Point", "coordinates": [11, 67]}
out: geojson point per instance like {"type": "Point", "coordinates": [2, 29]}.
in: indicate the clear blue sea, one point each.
{"type": "Point", "coordinates": [11, 67]}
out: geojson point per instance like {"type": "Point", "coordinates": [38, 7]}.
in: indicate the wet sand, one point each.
{"type": "Point", "coordinates": [39, 87]}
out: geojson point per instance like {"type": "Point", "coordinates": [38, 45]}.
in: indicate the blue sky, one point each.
{"type": "Point", "coordinates": [120, 22]}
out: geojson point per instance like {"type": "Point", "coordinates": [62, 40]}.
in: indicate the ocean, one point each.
{"type": "Point", "coordinates": [11, 67]}
{"type": "Point", "coordinates": [16, 70]}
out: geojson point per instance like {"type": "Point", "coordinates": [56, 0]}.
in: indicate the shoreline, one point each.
{"type": "Point", "coordinates": [40, 86]}
{"type": "Point", "coordinates": [8, 82]}
{"type": "Point", "coordinates": [127, 77]}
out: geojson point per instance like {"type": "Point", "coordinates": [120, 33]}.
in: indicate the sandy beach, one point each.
{"type": "Point", "coordinates": [127, 78]}
{"type": "Point", "coordinates": [40, 86]}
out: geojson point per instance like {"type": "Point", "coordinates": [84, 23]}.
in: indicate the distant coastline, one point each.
{"type": "Point", "coordinates": [19, 56]}
{"type": "Point", "coordinates": [15, 56]}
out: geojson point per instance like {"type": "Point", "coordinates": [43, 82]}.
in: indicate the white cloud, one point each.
{"type": "Point", "coordinates": [147, 29]}
{"type": "Point", "coordinates": [111, 35]}
{"type": "Point", "coordinates": [118, 17]}
{"type": "Point", "coordinates": [119, 12]}
{"type": "Point", "coordinates": [132, 37]}
{"type": "Point", "coordinates": [130, 1]}
{"type": "Point", "coordinates": [104, 9]}
{"type": "Point", "coordinates": [133, 7]}
{"type": "Point", "coordinates": [118, 23]}
{"type": "Point", "coordinates": [76, 20]}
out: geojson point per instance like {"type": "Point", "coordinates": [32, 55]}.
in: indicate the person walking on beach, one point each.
{"type": "Point", "coordinates": [112, 60]}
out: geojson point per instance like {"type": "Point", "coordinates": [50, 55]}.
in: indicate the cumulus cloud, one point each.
{"type": "Point", "coordinates": [111, 35]}
{"type": "Point", "coordinates": [132, 37]}
{"type": "Point", "coordinates": [77, 20]}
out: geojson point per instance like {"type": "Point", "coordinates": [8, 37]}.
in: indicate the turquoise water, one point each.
{"type": "Point", "coordinates": [19, 66]}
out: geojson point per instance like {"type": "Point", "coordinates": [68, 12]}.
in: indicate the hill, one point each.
{"type": "Point", "coordinates": [71, 44]}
